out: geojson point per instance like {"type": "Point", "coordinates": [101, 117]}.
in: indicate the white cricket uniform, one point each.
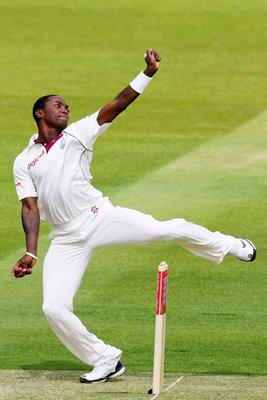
{"type": "Point", "coordinates": [82, 220]}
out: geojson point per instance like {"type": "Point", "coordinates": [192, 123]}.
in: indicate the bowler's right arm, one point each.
{"type": "Point", "coordinates": [30, 217]}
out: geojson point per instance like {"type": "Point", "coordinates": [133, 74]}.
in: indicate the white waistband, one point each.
{"type": "Point", "coordinates": [81, 227]}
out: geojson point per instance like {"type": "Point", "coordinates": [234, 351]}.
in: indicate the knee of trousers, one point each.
{"type": "Point", "coordinates": [55, 312]}
{"type": "Point", "coordinates": [170, 230]}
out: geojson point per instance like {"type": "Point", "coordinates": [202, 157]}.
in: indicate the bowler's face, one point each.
{"type": "Point", "coordinates": [56, 113]}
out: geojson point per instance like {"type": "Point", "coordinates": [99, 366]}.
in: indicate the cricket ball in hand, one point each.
{"type": "Point", "coordinates": [18, 271]}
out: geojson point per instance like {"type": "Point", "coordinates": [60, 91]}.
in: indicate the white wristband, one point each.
{"type": "Point", "coordinates": [140, 82]}
{"type": "Point", "coordinates": [31, 255]}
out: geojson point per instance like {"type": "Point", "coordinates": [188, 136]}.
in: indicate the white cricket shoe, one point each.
{"type": "Point", "coordinates": [110, 370]}
{"type": "Point", "coordinates": [245, 250]}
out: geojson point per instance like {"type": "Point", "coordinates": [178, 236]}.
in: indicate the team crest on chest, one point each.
{"type": "Point", "coordinates": [62, 143]}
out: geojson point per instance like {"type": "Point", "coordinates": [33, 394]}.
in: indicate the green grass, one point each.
{"type": "Point", "coordinates": [193, 146]}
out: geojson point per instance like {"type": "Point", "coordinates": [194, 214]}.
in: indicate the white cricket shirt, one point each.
{"type": "Point", "coordinates": [59, 175]}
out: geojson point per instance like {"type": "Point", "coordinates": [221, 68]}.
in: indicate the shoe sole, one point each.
{"type": "Point", "coordinates": [116, 374]}
{"type": "Point", "coordinates": [254, 252]}
{"type": "Point", "coordinates": [112, 375]}
{"type": "Point", "coordinates": [83, 380]}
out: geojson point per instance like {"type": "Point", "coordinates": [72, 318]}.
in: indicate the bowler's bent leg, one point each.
{"type": "Point", "coordinates": [123, 225]}
{"type": "Point", "coordinates": [64, 267]}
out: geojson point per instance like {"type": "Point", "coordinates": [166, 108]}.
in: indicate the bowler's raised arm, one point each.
{"type": "Point", "coordinates": [111, 110]}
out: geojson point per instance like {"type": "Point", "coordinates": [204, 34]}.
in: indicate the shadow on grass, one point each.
{"type": "Point", "coordinates": [55, 365]}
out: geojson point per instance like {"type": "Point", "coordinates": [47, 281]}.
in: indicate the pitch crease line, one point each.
{"type": "Point", "coordinates": [169, 387]}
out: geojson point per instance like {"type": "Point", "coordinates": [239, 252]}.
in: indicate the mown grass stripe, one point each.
{"type": "Point", "coordinates": [215, 176]}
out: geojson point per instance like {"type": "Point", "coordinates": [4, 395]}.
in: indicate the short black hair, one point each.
{"type": "Point", "coordinates": [40, 104]}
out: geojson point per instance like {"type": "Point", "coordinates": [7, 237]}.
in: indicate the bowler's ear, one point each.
{"type": "Point", "coordinates": [39, 113]}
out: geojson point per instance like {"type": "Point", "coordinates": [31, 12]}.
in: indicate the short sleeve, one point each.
{"type": "Point", "coordinates": [87, 130]}
{"type": "Point", "coordinates": [23, 181]}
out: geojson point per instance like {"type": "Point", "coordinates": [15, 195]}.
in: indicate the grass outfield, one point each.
{"type": "Point", "coordinates": [193, 146]}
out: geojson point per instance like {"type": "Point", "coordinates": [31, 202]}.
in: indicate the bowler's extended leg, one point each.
{"type": "Point", "coordinates": [123, 225]}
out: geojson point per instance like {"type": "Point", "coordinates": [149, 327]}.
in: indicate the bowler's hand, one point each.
{"type": "Point", "coordinates": [152, 59]}
{"type": "Point", "coordinates": [23, 266]}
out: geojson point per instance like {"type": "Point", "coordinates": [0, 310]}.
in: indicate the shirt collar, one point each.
{"type": "Point", "coordinates": [32, 139]}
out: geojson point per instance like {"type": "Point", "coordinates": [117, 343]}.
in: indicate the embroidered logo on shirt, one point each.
{"type": "Point", "coordinates": [94, 209]}
{"type": "Point", "coordinates": [33, 162]}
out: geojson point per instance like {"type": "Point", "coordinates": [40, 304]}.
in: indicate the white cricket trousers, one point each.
{"type": "Point", "coordinates": [70, 252]}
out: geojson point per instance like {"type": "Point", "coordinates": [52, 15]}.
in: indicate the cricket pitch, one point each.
{"type": "Point", "coordinates": [64, 385]}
